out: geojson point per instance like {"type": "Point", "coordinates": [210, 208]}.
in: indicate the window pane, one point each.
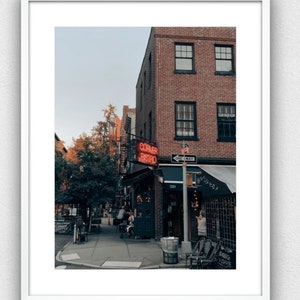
{"type": "Point", "coordinates": [189, 54]}
{"type": "Point", "coordinates": [183, 64]}
{"type": "Point", "coordinates": [223, 65]}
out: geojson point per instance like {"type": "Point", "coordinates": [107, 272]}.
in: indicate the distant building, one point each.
{"type": "Point", "coordinates": [186, 106]}
{"type": "Point", "coordinates": [126, 135]}
{"type": "Point", "coordinates": [59, 145]}
{"type": "Point", "coordinates": [114, 131]}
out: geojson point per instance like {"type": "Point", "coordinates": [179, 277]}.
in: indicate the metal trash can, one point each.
{"type": "Point", "coordinates": [170, 249]}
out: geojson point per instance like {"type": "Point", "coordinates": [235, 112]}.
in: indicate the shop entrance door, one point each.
{"type": "Point", "coordinates": [144, 215]}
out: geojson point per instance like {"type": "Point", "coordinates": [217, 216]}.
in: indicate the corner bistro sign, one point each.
{"type": "Point", "coordinates": [146, 153]}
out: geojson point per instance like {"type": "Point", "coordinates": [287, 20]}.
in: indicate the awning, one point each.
{"type": "Point", "coordinates": [136, 176]}
{"type": "Point", "coordinates": [226, 174]}
{"type": "Point", "coordinates": [211, 180]}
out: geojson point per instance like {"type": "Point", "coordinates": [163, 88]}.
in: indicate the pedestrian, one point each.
{"type": "Point", "coordinates": [131, 218]}
{"type": "Point", "coordinates": [201, 224]}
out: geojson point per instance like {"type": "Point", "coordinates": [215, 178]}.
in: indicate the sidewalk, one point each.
{"type": "Point", "coordinates": [106, 250]}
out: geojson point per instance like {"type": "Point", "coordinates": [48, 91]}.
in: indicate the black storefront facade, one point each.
{"type": "Point", "coordinates": [157, 200]}
{"type": "Point", "coordinates": [209, 187]}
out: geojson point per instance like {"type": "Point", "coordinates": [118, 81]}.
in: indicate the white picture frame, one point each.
{"type": "Point", "coordinates": [39, 279]}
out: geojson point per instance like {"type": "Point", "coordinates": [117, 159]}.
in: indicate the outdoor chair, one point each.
{"type": "Point", "coordinates": [202, 249]}
{"type": "Point", "coordinates": [212, 260]}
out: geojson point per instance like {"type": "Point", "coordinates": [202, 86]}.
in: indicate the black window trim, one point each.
{"type": "Point", "coordinates": [186, 138]}
{"type": "Point", "coordinates": [178, 71]}
{"type": "Point", "coordinates": [225, 73]}
{"type": "Point", "coordinates": [224, 139]}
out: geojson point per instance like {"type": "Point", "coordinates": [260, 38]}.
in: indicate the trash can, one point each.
{"type": "Point", "coordinates": [170, 249]}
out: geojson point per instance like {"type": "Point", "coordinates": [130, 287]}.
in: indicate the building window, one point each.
{"type": "Point", "coordinates": [150, 71]}
{"type": "Point", "coordinates": [224, 60]}
{"type": "Point", "coordinates": [150, 126]}
{"type": "Point", "coordinates": [184, 58]}
{"type": "Point", "coordinates": [226, 122]}
{"type": "Point", "coordinates": [185, 120]}
{"type": "Point", "coordinates": [145, 74]}
{"type": "Point", "coordinates": [141, 97]}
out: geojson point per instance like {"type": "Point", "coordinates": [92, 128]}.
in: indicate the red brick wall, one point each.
{"type": "Point", "coordinates": [205, 88]}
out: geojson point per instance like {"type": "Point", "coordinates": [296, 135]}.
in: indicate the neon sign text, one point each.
{"type": "Point", "coordinates": [146, 153]}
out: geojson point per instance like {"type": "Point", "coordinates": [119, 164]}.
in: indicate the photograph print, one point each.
{"type": "Point", "coordinates": [145, 148]}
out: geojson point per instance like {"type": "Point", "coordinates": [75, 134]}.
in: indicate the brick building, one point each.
{"type": "Point", "coordinates": [186, 103]}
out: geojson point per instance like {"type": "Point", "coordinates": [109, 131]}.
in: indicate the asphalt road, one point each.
{"type": "Point", "coordinates": [60, 241]}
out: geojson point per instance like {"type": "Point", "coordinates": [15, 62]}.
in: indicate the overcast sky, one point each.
{"type": "Point", "coordinates": [94, 67]}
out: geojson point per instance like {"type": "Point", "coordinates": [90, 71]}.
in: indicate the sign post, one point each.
{"type": "Point", "coordinates": [186, 244]}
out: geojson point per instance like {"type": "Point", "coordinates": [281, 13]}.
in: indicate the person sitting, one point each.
{"type": "Point", "coordinates": [121, 213]}
{"type": "Point", "coordinates": [131, 218]}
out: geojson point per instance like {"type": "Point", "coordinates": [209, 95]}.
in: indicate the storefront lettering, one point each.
{"type": "Point", "coordinates": [203, 180]}
{"type": "Point", "coordinates": [147, 158]}
{"type": "Point", "coordinates": [146, 148]}
{"type": "Point", "coordinates": [146, 153]}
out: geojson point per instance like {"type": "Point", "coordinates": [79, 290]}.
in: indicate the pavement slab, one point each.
{"type": "Point", "coordinates": [108, 251]}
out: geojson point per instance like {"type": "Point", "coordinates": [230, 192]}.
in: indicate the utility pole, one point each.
{"type": "Point", "coordinates": [186, 244]}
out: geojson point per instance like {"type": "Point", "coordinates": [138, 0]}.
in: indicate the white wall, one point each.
{"type": "Point", "coordinates": [285, 145]}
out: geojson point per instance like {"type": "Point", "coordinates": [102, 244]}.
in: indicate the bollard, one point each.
{"type": "Point", "coordinates": [108, 221]}
{"type": "Point", "coordinates": [74, 234]}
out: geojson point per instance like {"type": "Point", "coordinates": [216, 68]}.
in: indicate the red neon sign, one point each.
{"type": "Point", "coordinates": [146, 153]}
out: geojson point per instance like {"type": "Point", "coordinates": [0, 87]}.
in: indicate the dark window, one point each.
{"type": "Point", "coordinates": [184, 58]}
{"type": "Point", "coordinates": [224, 60]}
{"type": "Point", "coordinates": [150, 126]}
{"type": "Point", "coordinates": [150, 71]}
{"type": "Point", "coordinates": [226, 122]}
{"type": "Point", "coordinates": [185, 120]}
{"type": "Point", "coordinates": [145, 74]}
{"type": "Point", "coordinates": [141, 97]}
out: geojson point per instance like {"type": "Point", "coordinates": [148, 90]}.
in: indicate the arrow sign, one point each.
{"type": "Point", "coordinates": [179, 158]}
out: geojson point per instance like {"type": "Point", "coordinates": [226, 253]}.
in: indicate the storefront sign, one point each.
{"type": "Point", "coordinates": [146, 153]}
{"type": "Point", "coordinates": [63, 227]}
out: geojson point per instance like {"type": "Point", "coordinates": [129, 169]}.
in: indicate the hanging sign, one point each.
{"type": "Point", "coordinates": [146, 154]}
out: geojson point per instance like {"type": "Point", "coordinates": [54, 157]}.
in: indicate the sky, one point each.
{"type": "Point", "coordinates": [94, 67]}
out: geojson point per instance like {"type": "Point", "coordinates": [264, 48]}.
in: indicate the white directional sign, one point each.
{"type": "Point", "coordinates": [179, 158]}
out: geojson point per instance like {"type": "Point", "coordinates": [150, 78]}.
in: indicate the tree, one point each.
{"type": "Point", "coordinates": [89, 169]}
